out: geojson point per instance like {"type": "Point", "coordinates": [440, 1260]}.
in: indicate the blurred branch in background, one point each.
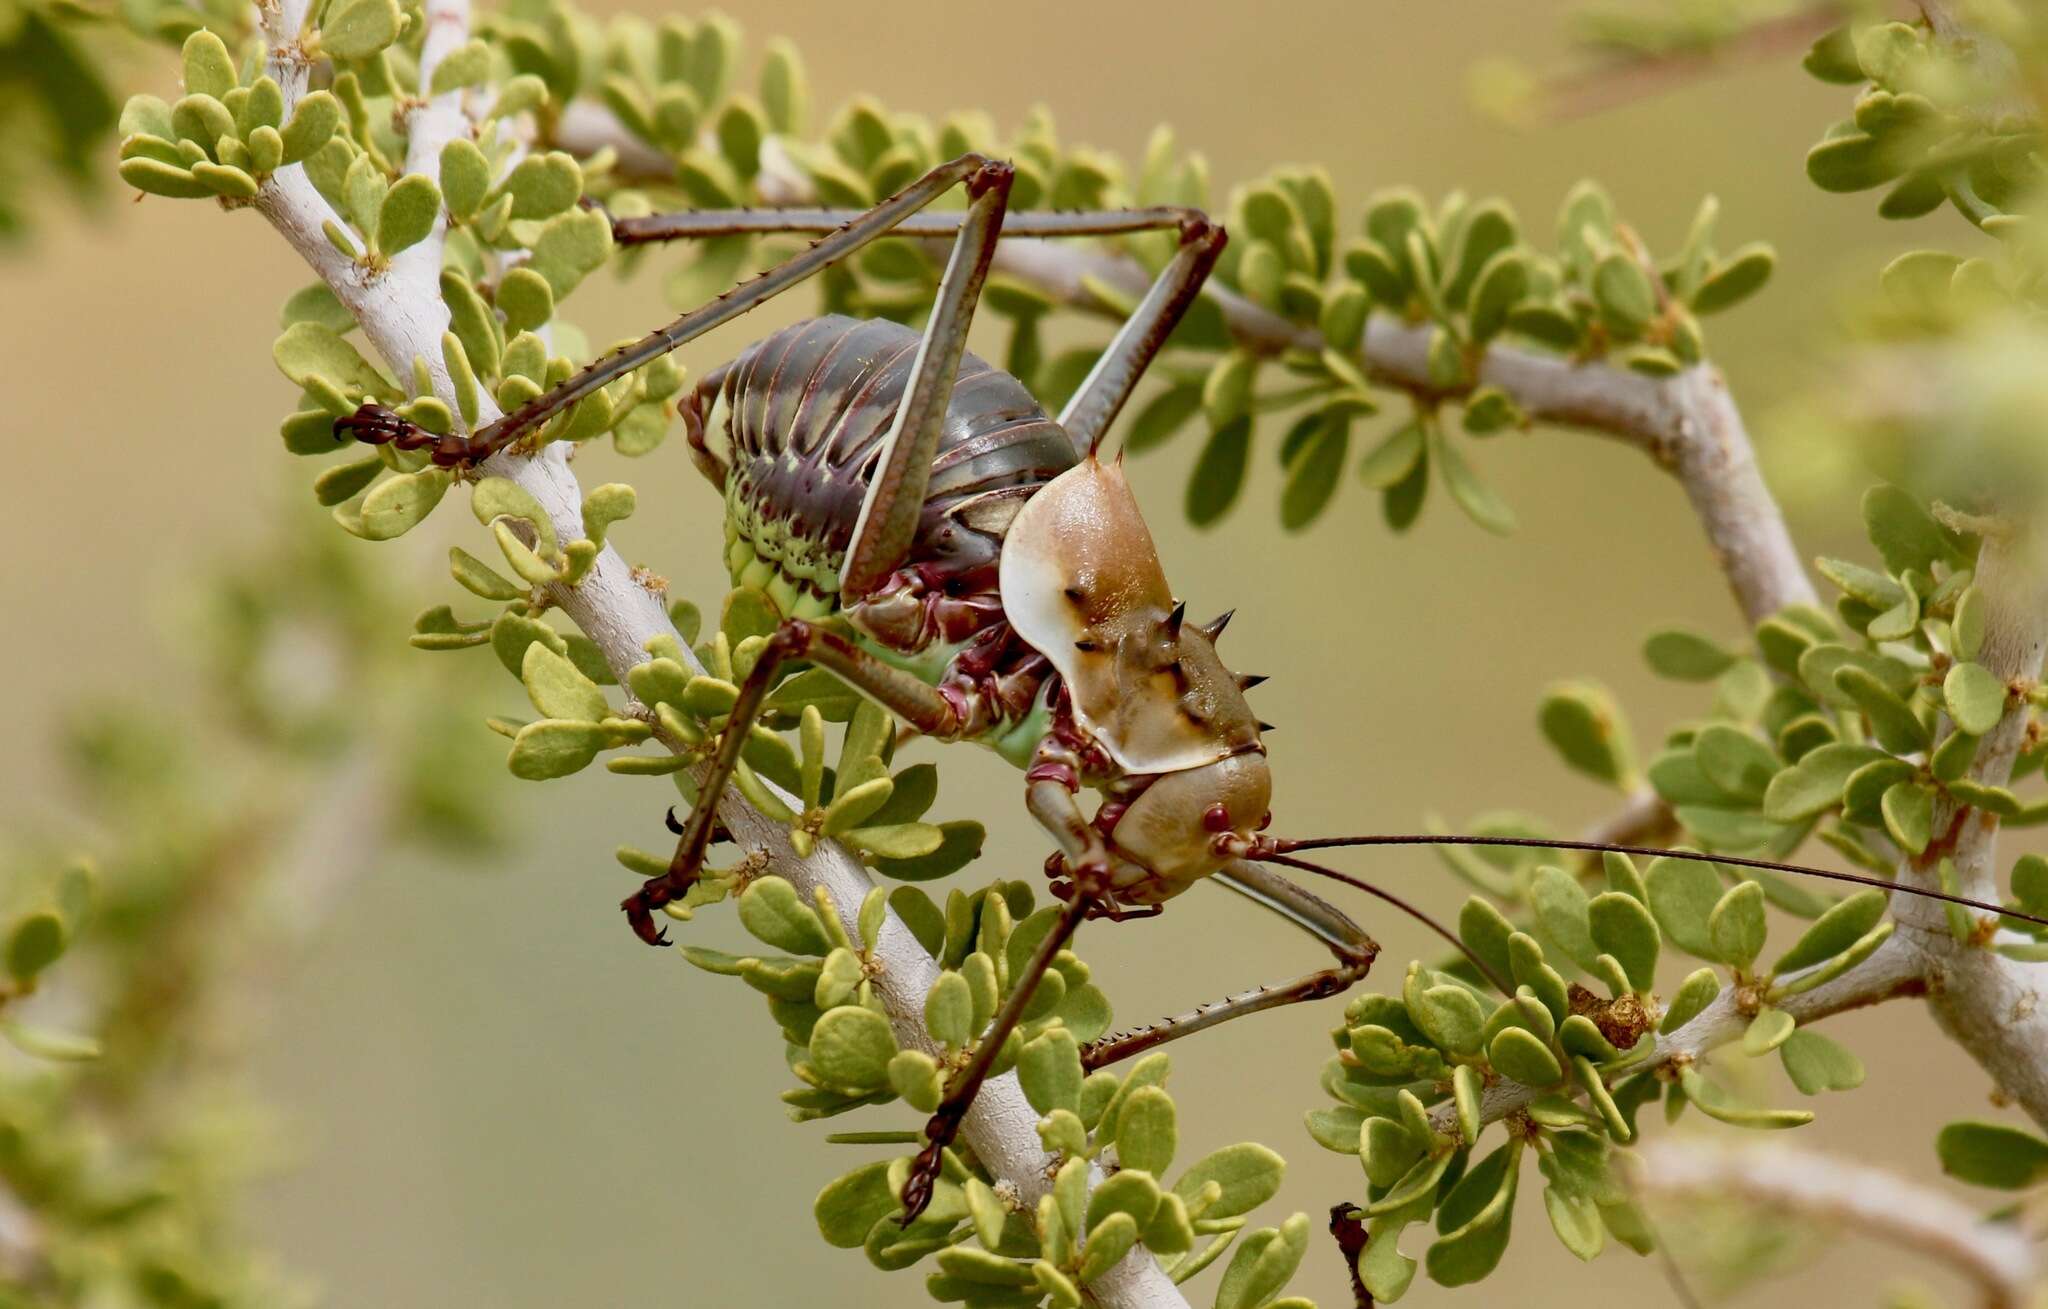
{"type": "Point", "coordinates": [222, 823]}
{"type": "Point", "coordinates": [59, 111]}
{"type": "Point", "coordinates": [1632, 55]}
{"type": "Point", "coordinates": [2000, 1257]}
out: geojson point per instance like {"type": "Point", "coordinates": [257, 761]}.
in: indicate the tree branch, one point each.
{"type": "Point", "coordinates": [1998, 1257]}
{"type": "Point", "coordinates": [1990, 1005]}
{"type": "Point", "coordinates": [402, 315]}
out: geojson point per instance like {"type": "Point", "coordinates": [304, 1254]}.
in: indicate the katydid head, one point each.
{"type": "Point", "coordinates": [1082, 584]}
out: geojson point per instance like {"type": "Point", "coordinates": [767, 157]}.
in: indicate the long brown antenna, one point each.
{"type": "Point", "coordinates": [1281, 845]}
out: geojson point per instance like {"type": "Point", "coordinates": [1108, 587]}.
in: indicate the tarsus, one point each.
{"type": "Point", "coordinates": [1418, 915]}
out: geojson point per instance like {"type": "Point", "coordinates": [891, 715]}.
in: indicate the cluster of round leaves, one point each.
{"type": "Point", "coordinates": [227, 133]}
{"type": "Point", "coordinates": [1927, 125]}
{"type": "Point", "coordinates": [1111, 1139]}
{"type": "Point", "coordinates": [1465, 271]}
{"type": "Point", "coordinates": [1411, 1069]}
{"type": "Point", "coordinates": [1820, 724]}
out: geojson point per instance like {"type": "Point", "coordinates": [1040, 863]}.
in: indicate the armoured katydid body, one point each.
{"type": "Point", "coordinates": [958, 555]}
{"type": "Point", "coordinates": [938, 541]}
{"type": "Point", "coordinates": [1031, 601]}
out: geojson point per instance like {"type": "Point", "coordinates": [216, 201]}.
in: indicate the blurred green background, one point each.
{"type": "Point", "coordinates": [495, 1097]}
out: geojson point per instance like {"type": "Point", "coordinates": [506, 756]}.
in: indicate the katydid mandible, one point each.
{"type": "Point", "coordinates": [934, 538]}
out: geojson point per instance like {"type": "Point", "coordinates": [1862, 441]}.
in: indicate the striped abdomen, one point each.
{"type": "Point", "coordinates": [807, 412]}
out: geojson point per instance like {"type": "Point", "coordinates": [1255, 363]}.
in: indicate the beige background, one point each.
{"type": "Point", "coordinates": [506, 1102]}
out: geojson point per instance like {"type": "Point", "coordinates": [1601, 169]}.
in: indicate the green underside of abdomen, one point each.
{"type": "Point", "coordinates": [789, 571]}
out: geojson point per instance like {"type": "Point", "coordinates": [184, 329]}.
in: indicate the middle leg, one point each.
{"type": "Point", "coordinates": [895, 690]}
{"type": "Point", "coordinates": [1353, 948]}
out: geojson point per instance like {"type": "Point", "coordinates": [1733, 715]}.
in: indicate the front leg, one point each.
{"type": "Point", "coordinates": [1052, 787]}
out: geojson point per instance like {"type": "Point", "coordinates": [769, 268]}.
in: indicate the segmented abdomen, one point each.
{"type": "Point", "coordinates": [808, 410]}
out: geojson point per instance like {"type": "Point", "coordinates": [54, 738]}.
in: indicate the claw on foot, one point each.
{"type": "Point", "coordinates": [640, 906]}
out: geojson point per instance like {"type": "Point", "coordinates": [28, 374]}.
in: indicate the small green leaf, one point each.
{"type": "Point", "coordinates": [772, 911]}
{"type": "Point", "coordinates": [1517, 1053]}
{"type": "Point", "coordinates": [1249, 1175]}
{"type": "Point", "coordinates": [1623, 927]}
{"type": "Point", "coordinates": [1561, 913]}
{"type": "Point", "coordinates": [1686, 656]}
{"type": "Point", "coordinates": [571, 246]}
{"type": "Point", "coordinates": [551, 747]}
{"type": "Point", "coordinates": [1975, 697]}
{"type": "Point", "coordinates": [46, 1043]}
{"type": "Point", "coordinates": [1897, 728]}
{"type": "Point", "coordinates": [1816, 1064]}
{"type": "Point", "coordinates": [543, 185]}
{"type": "Point", "coordinates": [312, 125]}
{"type": "Point", "coordinates": [1108, 1243]}
{"type": "Point", "coordinates": [1767, 1031]}
{"type": "Point", "coordinates": [851, 1047]}
{"type": "Point", "coordinates": [949, 1011]}
{"type": "Point", "coordinates": [467, 65]}
{"type": "Point", "coordinates": [1814, 784]}
{"type": "Point", "coordinates": [1162, 417]}
{"type": "Point", "coordinates": [209, 70]}
{"type": "Point", "coordinates": [1700, 989]}
{"type": "Point", "coordinates": [558, 689]}
{"type": "Point", "coordinates": [1904, 533]}
{"type": "Point", "coordinates": [1734, 279]}
{"type": "Point", "coordinates": [1968, 624]}
{"type": "Point", "coordinates": [1314, 471]}
{"type": "Point", "coordinates": [1715, 1103]}
{"type": "Point", "coordinates": [1394, 458]}
{"type": "Point", "coordinates": [1734, 761]}
{"type": "Point", "coordinates": [1480, 502]}
{"type": "Point", "coordinates": [1147, 1133]}
{"type": "Point", "coordinates": [1992, 1154]}
{"type": "Point", "coordinates": [1622, 290]}
{"type": "Point", "coordinates": [851, 1205]}
{"type": "Point", "coordinates": [401, 503]}
{"type": "Point", "coordinates": [357, 29]}
{"type": "Point", "coordinates": [1840, 927]}
{"type": "Point", "coordinates": [1049, 1069]}
{"type": "Point", "coordinates": [407, 215]}
{"type": "Point", "coordinates": [1855, 162]}
{"type": "Point", "coordinates": [1219, 472]}
{"type": "Point", "coordinates": [1908, 809]}
{"type": "Point", "coordinates": [1263, 1263]}
{"type": "Point", "coordinates": [35, 940]}
{"type": "Point", "coordinates": [156, 177]}
{"type": "Point", "coordinates": [1585, 725]}
{"type": "Point", "coordinates": [1736, 926]}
